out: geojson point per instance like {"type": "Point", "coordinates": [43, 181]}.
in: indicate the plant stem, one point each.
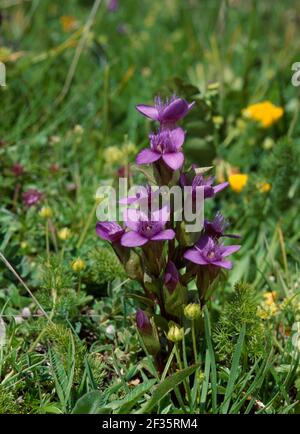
{"type": "Point", "coordinates": [47, 240]}
{"type": "Point", "coordinates": [87, 225]}
{"type": "Point", "coordinates": [186, 385]}
{"type": "Point", "coordinates": [194, 341]}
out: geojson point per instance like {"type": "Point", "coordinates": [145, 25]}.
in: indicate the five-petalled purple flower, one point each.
{"type": "Point", "coordinates": [207, 251]}
{"type": "Point", "coordinates": [165, 145]}
{"type": "Point", "coordinates": [144, 228]}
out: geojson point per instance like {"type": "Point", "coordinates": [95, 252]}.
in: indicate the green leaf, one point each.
{"type": "Point", "coordinates": [166, 386]}
{"type": "Point", "coordinates": [90, 403]}
{"type": "Point", "coordinates": [233, 371]}
{"type": "Point", "coordinates": [213, 369]}
{"type": "Point", "coordinates": [123, 406]}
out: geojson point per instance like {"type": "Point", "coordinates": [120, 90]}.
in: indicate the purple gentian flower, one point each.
{"type": "Point", "coordinates": [113, 5]}
{"type": "Point", "coordinates": [217, 226]}
{"type": "Point", "coordinates": [166, 113]}
{"type": "Point", "coordinates": [109, 231]}
{"type": "Point", "coordinates": [145, 229]}
{"type": "Point", "coordinates": [206, 183]}
{"type": "Point", "coordinates": [208, 251]}
{"type": "Point", "coordinates": [31, 197]}
{"type": "Point", "coordinates": [165, 145]}
{"type": "Point", "coordinates": [142, 321]}
{"type": "Point", "coordinates": [171, 277]}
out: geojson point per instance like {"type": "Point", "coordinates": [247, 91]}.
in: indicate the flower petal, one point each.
{"type": "Point", "coordinates": [167, 234]}
{"type": "Point", "coordinates": [228, 250]}
{"type": "Point", "coordinates": [128, 200]}
{"type": "Point", "coordinates": [173, 159]}
{"type": "Point", "coordinates": [133, 239]}
{"type": "Point", "coordinates": [148, 111]}
{"type": "Point", "coordinates": [223, 264]}
{"type": "Point", "coordinates": [176, 110]}
{"type": "Point", "coordinates": [195, 256]}
{"type": "Point", "coordinates": [147, 156]}
{"type": "Point", "coordinates": [220, 187]}
{"type": "Point", "coordinates": [161, 215]}
{"type": "Point", "coordinates": [131, 218]}
{"type": "Point", "coordinates": [177, 136]}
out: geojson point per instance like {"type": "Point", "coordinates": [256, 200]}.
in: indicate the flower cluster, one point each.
{"type": "Point", "coordinates": [156, 249]}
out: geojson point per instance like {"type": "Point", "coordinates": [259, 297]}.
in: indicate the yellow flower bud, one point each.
{"type": "Point", "coordinates": [175, 333]}
{"type": "Point", "coordinates": [78, 130]}
{"type": "Point", "coordinates": [46, 212]}
{"type": "Point", "coordinates": [264, 187]}
{"type": "Point", "coordinates": [64, 234]}
{"type": "Point", "coordinates": [78, 265]}
{"type": "Point", "coordinates": [192, 311]}
{"type": "Point", "coordinates": [113, 155]}
{"type": "Point", "coordinates": [24, 245]}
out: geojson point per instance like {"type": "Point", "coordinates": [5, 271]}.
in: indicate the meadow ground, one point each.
{"type": "Point", "coordinates": [75, 71]}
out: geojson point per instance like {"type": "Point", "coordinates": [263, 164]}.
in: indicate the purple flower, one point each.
{"type": "Point", "coordinates": [171, 277]}
{"type": "Point", "coordinates": [17, 169]}
{"type": "Point", "coordinates": [205, 183]}
{"type": "Point", "coordinates": [216, 227]}
{"type": "Point", "coordinates": [142, 321]}
{"type": "Point", "coordinates": [207, 251]}
{"type": "Point", "coordinates": [109, 231]}
{"type": "Point", "coordinates": [31, 197]}
{"type": "Point", "coordinates": [113, 5]}
{"type": "Point", "coordinates": [144, 229]}
{"type": "Point", "coordinates": [165, 145]}
{"type": "Point", "coordinates": [168, 112]}
{"type": "Point", "coordinates": [146, 197]}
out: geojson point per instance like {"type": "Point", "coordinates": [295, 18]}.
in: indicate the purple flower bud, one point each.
{"type": "Point", "coordinates": [142, 321]}
{"type": "Point", "coordinates": [171, 277]}
{"type": "Point", "coordinates": [113, 5]}
{"type": "Point", "coordinates": [216, 227]}
{"type": "Point", "coordinates": [205, 183]}
{"type": "Point", "coordinates": [109, 231]}
{"type": "Point", "coordinates": [31, 197]}
{"type": "Point", "coordinates": [168, 112]}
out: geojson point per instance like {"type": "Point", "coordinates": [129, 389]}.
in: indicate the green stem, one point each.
{"type": "Point", "coordinates": [186, 385]}
{"type": "Point", "coordinates": [87, 225]}
{"type": "Point", "coordinates": [47, 241]}
{"type": "Point", "coordinates": [194, 341]}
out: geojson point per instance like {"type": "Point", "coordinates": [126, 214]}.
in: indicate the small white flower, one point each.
{"type": "Point", "coordinates": [110, 330]}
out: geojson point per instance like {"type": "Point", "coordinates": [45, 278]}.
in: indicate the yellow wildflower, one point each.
{"type": "Point", "coordinates": [238, 181]}
{"type": "Point", "coordinates": [264, 112]}
{"type": "Point", "coordinates": [78, 265]}
{"type": "Point", "coordinates": [268, 308]}
{"type": "Point", "coordinates": [64, 234]}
